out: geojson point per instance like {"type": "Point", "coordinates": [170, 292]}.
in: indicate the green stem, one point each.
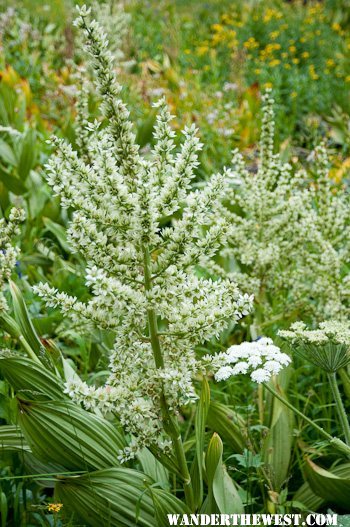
{"type": "Point", "coordinates": [339, 406]}
{"type": "Point", "coordinates": [28, 349]}
{"type": "Point", "coordinates": [337, 443]}
{"type": "Point", "coordinates": [170, 424]}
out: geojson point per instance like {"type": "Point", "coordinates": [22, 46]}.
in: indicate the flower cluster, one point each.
{"type": "Point", "coordinates": [141, 266]}
{"type": "Point", "coordinates": [327, 347]}
{"type": "Point", "coordinates": [54, 507]}
{"type": "Point", "coordinates": [115, 22]}
{"type": "Point", "coordinates": [288, 235]}
{"type": "Point", "coordinates": [8, 253]}
{"type": "Point", "coordinates": [261, 359]}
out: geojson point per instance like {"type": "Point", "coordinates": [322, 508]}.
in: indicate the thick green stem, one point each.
{"type": "Point", "coordinates": [170, 424]}
{"type": "Point", "coordinates": [339, 406]}
{"type": "Point", "coordinates": [337, 443]}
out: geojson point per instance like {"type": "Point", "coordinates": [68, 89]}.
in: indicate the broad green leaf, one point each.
{"type": "Point", "coordinates": [200, 422]}
{"type": "Point", "coordinates": [333, 488]}
{"type": "Point", "coordinates": [225, 492]}
{"type": "Point", "coordinates": [30, 377]}
{"type": "Point", "coordinates": [222, 493]}
{"type": "Point", "coordinates": [27, 154]}
{"type": "Point", "coordinates": [228, 424]}
{"type": "Point", "coordinates": [9, 325]}
{"type": "Point", "coordinates": [307, 496]}
{"type": "Point", "coordinates": [153, 468]}
{"type": "Point", "coordinates": [213, 458]}
{"type": "Point", "coordinates": [117, 497]}
{"type": "Point", "coordinates": [278, 444]}
{"type": "Point", "coordinates": [164, 504]}
{"type": "Point", "coordinates": [23, 319]}
{"type": "Point", "coordinates": [11, 438]}
{"type": "Point", "coordinates": [35, 466]}
{"type": "Point", "coordinates": [59, 232]}
{"type": "Point", "coordinates": [6, 153]}
{"type": "Point", "coordinates": [63, 433]}
{"type": "Point", "coordinates": [11, 182]}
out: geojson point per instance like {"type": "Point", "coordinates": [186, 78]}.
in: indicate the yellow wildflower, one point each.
{"type": "Point", "coordinates": [268, 85]}
{"type": "Point", "coordinates": [294, 94]}
{"type": "Point", "coordinates": [202, 50]}
{"type": "Point", "coordinates": [274, 35]}
{"type": "Point", "coordinates": [292, 49]}
{"type": "Point", "coordinates": [305, 54]}
{"type": "Point", "coordinates": [303, 39]}
{"type": "Point", "coordinates": [251, 43]}
{"type": "Point", "coordinates": [274, 62]}
{"type": "Point", "coordinates": [295, 60]}
{"type": "Point", "coordinates": [217, 27]}
{"type": "Point", "coordinates": [313, 73]}
{"type": "Point", "coordinates": [287, 66]}
{"type": "Point", "coordinates": [54, 507]}
{"type": "Point", "coordinates": [330, 63]}
{"type": "Point", "coordinates": [257, 71]}
{"type": "Point", "coordinates": [336, 27]}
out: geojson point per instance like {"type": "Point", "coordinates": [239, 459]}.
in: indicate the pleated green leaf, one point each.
{"type": "Point", "coordinates": [9, 325]}
{"type": "Point", "coordinates": [153, 468]}
{"type": "Point", "coordinates": [63, 433]}
{"type": "Point", "coordinates": [223, 495]}
{"type": "Point", "coordinates": [228, 424]}
{"type": "Point", "coordinates": [307, 496]}
{"type": "Point", "coordinates": [23, 319]}
{"type": "Point", "coordinates": [31, 377]}
{"type": "Point", "coordinates": [200, 422]}
{"type": "Point", "coordinates": [278, 444]}
{"type": "Point", "coordinates": [11, 438]}
{"type": "Point", "coordinates": [225, 492]}
{"type": "Point", "coordinates": [332, 487]}
{"type": "Point", "coordinates": [115, 497]}
{"type": "Point", "coordinates": [212, 459]}
{"type": "Point", "coordinates": [164, 504]}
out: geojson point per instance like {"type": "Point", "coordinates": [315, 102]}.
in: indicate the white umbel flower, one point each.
{"type": "Point", "coordinates": [261, 359]}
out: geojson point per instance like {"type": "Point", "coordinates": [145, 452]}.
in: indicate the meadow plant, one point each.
{"type": "Point", "coordinates": [288, 235]}
{"type": "Point", "coordinates": [8, 252]}
{"type": "Point", "coordinates": [141, 267]}
{"type": "Point", "coordinates": [327, 347]}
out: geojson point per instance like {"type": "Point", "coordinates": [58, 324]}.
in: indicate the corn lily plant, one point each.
{"type": "Point", "coordinates": [116, 450]}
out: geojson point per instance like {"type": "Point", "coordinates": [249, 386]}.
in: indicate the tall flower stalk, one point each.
{"type": "Point", "coordinates": [141, 266]}
{"type": "Point", "coordinates": [8, 251]}
{"type": "Point", "coordinates": [288, 235]}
